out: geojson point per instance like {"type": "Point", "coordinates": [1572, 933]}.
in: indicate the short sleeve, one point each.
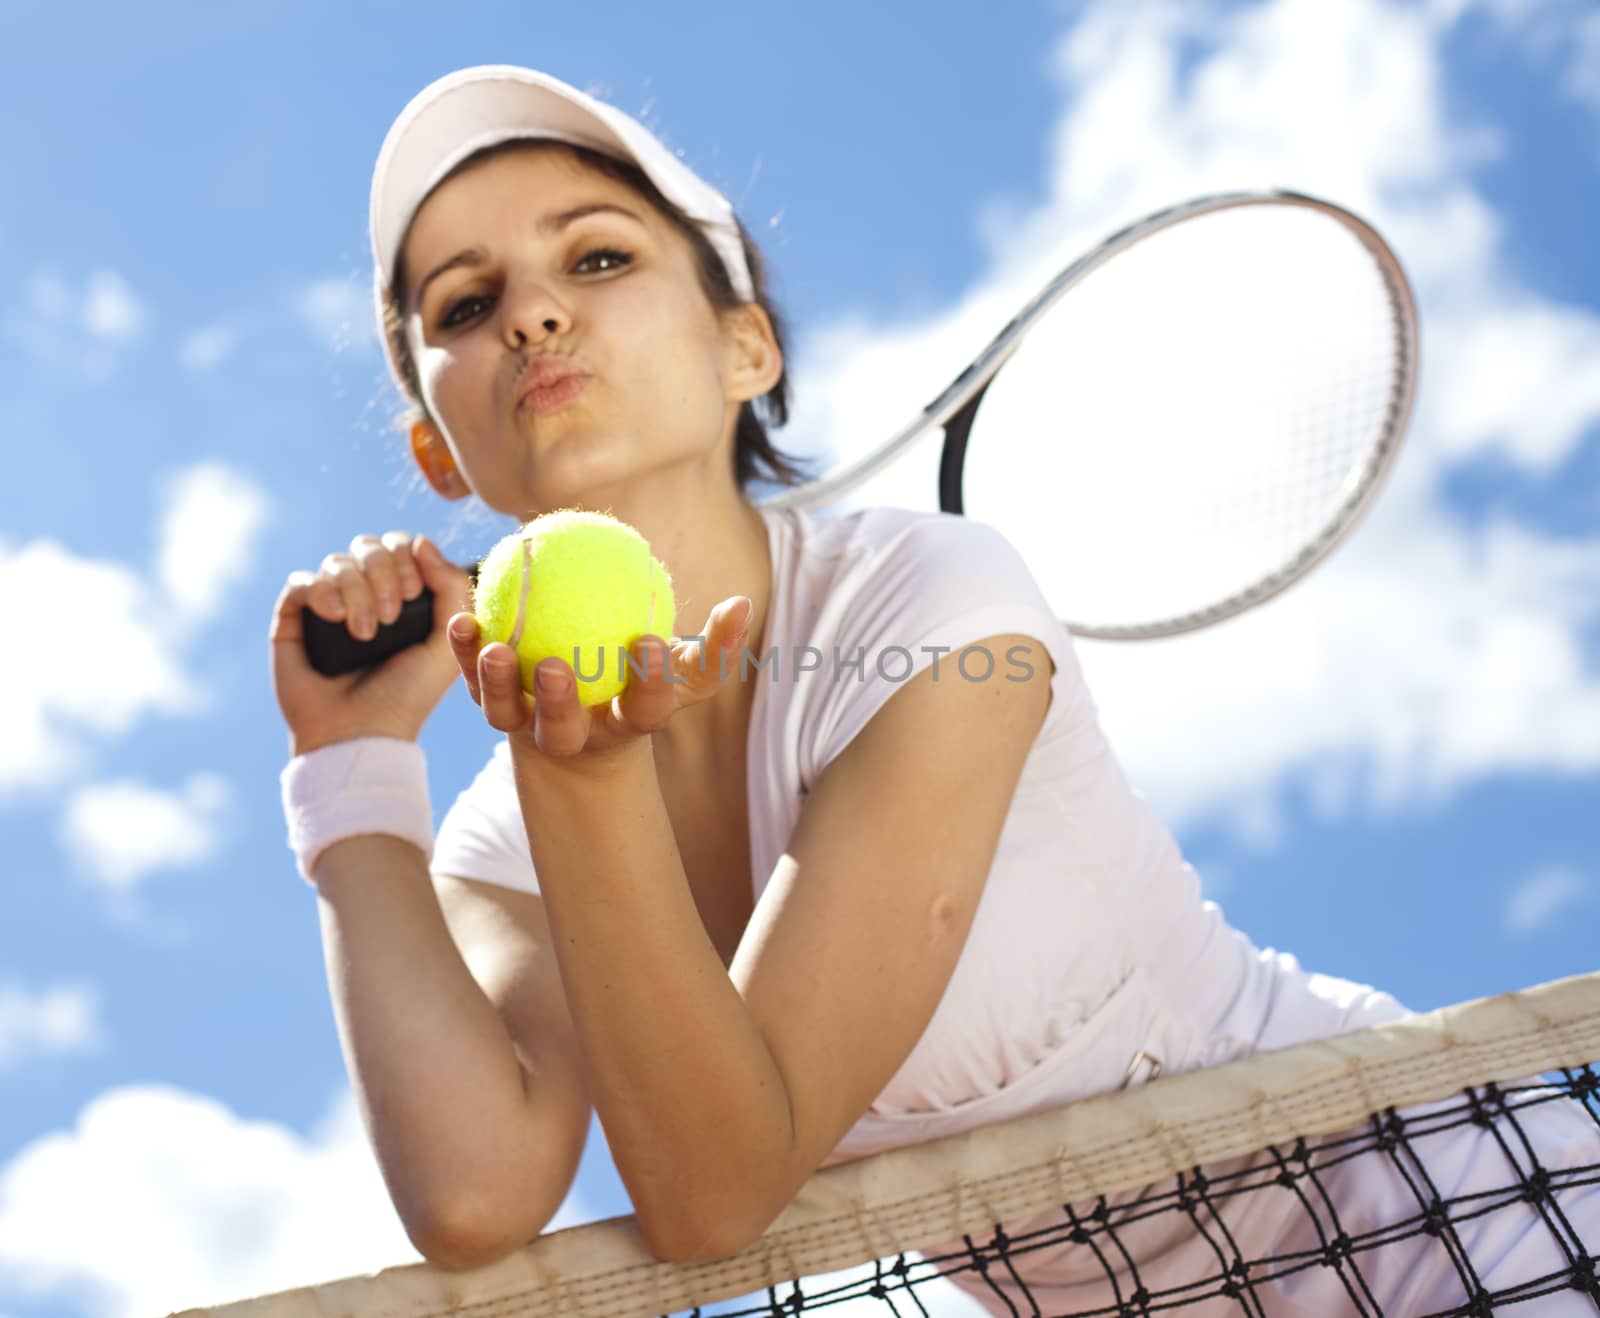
{"type": "Point", "coordinates": [923, 599]}
{"type": "Point", "coordinates": [482, 835]}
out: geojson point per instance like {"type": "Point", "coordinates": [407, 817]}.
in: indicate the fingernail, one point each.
{"type": "Point", "coordinates": [462, 629]}
{"type": "Point", "coordinates": [550, 681]}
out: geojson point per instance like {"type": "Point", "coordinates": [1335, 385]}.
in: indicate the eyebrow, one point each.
{"type": "Point", "coordinates": [550, 224]}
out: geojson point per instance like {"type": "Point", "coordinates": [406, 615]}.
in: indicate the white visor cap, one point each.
{"type": "Point", "coordinates": [478, 107]}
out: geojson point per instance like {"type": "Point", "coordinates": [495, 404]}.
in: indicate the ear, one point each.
{"type": "Point", "coordinates": [755, 362]}
{"type": "Point", "coordinates": [433, 456]}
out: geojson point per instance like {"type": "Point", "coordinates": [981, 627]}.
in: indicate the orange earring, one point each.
{"type": "Point", "coordinates": [433, 457]}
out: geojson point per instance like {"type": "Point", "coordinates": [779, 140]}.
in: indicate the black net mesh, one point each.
{"type": "Point", "coordinates": [1486, 1203]}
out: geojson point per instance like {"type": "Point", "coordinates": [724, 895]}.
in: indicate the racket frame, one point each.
{"type": "Point", "coordinates": [955, 408]}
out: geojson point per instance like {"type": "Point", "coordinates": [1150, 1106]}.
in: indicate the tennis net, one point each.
{"type": "Point", "coordinates": [1419, 1158]}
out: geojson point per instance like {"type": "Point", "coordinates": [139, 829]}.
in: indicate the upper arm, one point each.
{"type": "Point", "coordinates": [859, 930]}
{"type": "Point", "coordinates": [504, 938]}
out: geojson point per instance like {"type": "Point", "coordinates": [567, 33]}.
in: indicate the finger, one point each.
{"type": "Point", "coordinates": [403, 548]}
{"type": "Point", "coordinates": [654, 685]}
{"type": "Point", "coordinates": [561, 723]}
{"type": "Point", "coordinates": [465, 643]}
{"type": "Point", "coordinates": [733, 622]}
{"type": "Point", "coordinates": [716, 656]}
{"type": "Point", "coordinates": [383, 578]}
{"type": "Point", "coordinates": [451, 586]}
{"type": "Point", "coordinates": [288, 626]}
{"type": "Point", "coordinates": [322, 593]}
{"type": "Point", "coordinates": [355, 594]}
{"type": "Point", "coordinates": [505, 704]}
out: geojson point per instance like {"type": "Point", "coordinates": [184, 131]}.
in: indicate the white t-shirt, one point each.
{"type": "Point", "coordinates": [1091, 943]}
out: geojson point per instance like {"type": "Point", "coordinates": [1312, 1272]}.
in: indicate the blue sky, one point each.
{"type": "Point", "coordinates": [1391, 772]}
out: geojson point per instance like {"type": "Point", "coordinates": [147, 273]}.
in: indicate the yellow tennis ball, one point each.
{"type": "Point", "coordinates": [578, 586]}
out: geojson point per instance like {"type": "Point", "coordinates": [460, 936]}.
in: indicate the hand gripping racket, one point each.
{"type": "Point", "coordinates": [1187, 435]}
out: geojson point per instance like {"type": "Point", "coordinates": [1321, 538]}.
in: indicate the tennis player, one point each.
{"type": "Point", "coordinates": [888, 885]}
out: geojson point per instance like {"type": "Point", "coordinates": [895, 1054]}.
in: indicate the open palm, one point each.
{"type": "Point", "coordinates": [561, 727]}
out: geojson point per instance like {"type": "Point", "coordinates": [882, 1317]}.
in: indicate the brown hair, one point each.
{"type": "Point", "coordinates": [755, 455]}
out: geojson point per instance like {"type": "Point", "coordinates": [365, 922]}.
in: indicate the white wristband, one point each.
{"type": "Point", "coordinates": [366, 785]}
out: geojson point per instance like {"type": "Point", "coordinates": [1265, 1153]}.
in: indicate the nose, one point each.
{"type": "Point", "coordinates": [531, 312]}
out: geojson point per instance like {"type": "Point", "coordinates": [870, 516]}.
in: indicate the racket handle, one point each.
{"type": "Point", "coordinates": [332, 650]}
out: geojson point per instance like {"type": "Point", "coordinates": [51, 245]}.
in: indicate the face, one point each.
{"type": "Point", "coordinates": [636, 379]}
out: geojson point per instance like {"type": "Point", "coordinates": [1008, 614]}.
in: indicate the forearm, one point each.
{"type": "Point", "coordinates": [685, 1085]}
{"type": "Point", "coordinates": [429, 1057]}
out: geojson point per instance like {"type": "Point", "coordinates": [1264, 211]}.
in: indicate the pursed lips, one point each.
{"type": "Point", "coordinates": [548, 385]}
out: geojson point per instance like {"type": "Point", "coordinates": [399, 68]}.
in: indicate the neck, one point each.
{"type": "Point", "coordinates": [711, 562]}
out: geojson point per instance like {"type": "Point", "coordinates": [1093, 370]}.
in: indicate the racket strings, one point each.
{"type": "Point", "coordinates": [1201, 415]}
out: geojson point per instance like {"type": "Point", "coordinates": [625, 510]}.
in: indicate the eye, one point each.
{"type": "Point", "coordinates": [603, 260]}
{"type": "Point", "coordinates": [451, 318]}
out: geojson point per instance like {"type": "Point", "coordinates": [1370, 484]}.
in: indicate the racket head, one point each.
{"type": "Point", "coordinates": [1190, 416]}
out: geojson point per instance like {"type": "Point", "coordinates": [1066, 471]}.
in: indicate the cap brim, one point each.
{"type": "Point", "coordinates": [479, 107]}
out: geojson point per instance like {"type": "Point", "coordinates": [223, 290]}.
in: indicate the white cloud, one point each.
{"type": "Point", "coordinates": [54, 683]}
{"type": "Point", "coordinates": [1542, 896]}
{"type": "Point", "coordinates": [120, 833]}
{"type": "Point", "coordinates": [61, 1019]}
{"type": "Point", "coordinates": [160, 1200]}
{"type": "Point", "coordinates": [111, 310]}
{"type": "Point", "coordinates": [1418, 660]}
{"type": "Point", "coordinates": [210, 520]}
{"type": "Point", "coordinates": [1427, 653]}
{"type": "Point", "coordinates": [338, 311]}
{"type": "Point", "coordinates": [1521, 377]}
{"type": "Point", "coordinates": [81, 333]}
{"type": "Point", "coordinates": [201, 349]}
{"type": "Point", "coordinates": [59, 678]}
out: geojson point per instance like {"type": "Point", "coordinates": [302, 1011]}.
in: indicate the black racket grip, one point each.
{"type": "Point", "coordinates": [332, 650]}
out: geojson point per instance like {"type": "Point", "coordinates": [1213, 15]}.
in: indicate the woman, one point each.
{"type": "Point", "coordinates": [891, 886]}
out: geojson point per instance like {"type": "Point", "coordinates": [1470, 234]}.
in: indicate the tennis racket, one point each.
{"type": "Point", "coordinates": [1195, 428]}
